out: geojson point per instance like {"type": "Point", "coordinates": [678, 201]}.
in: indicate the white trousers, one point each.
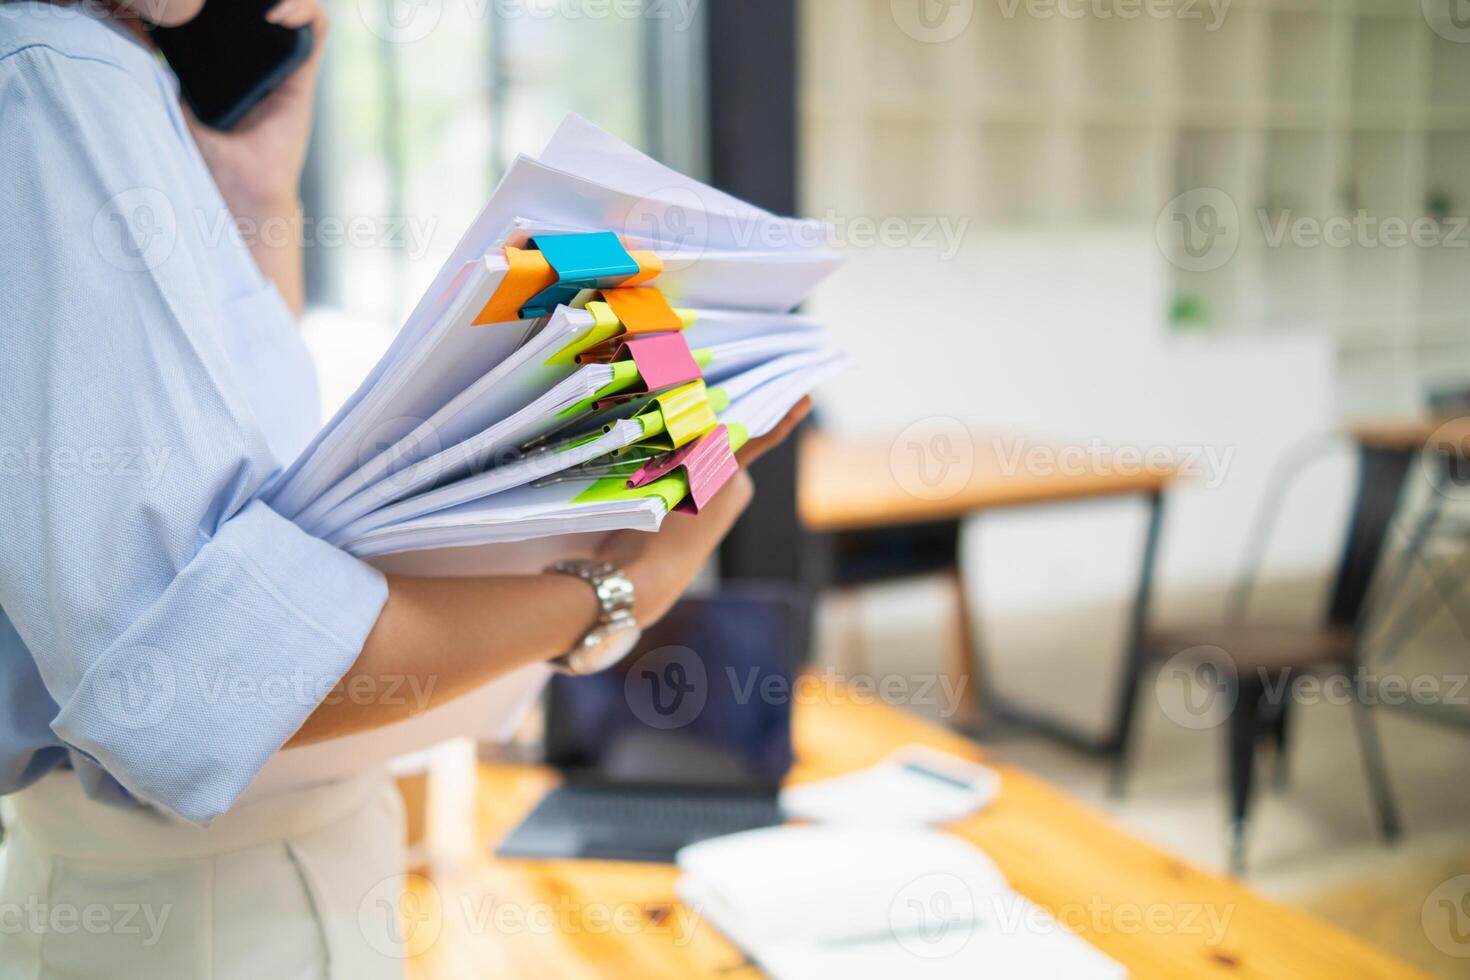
{"type": "Point", "coordinates": [301, 886]}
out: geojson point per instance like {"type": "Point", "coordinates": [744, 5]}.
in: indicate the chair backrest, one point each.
{"type": "Point", "coordinates": [1381, 477]}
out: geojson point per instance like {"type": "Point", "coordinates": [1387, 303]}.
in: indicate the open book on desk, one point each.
{"type": "Point", "coordinates": [600, 344]}
{"type": "Point", "coordinates": [812, 902]}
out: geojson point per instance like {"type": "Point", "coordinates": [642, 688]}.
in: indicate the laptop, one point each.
{"type": "Point", "coordinates": [687, 739]}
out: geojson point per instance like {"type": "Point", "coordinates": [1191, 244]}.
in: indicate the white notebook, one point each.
{"type": "Point", "coordinates": [815, 902]}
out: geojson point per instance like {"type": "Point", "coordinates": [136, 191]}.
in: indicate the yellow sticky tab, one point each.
{"type": "Point", "coordinates": [605, 326]}
{"type": "Point", "coordinates": [687, 415]}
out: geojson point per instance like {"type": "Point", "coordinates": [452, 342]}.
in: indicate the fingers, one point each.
{"type": "Point", "coordinates": [302, 13]}
{"type": "Point", "coordinates": [295, 13]}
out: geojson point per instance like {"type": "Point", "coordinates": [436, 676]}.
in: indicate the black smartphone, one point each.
{"type": "Point", "coordinates": [230, 57]}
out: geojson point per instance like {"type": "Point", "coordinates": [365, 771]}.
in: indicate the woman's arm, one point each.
{"type": "Point", "coordinates": [452, 635]}
{"type": "Point", "coordinates": [257, 165]}
{"type": "Point", "coordinates": [449, 636]}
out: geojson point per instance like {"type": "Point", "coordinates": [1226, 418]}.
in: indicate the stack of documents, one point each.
{"type": "Point", "coordinates": [590, 359]}
{"type": "Point", "coordinates": [604, 338]}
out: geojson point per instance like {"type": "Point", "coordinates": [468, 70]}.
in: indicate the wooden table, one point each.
{"type": "Point", "coordinates": [851, 484]}
{"type": "Point", "coordinates": [868, 498]}
{"type": "Point", "coordinates": [1412, 435]}
{"type": "Point", "coordinates": [557, 917]}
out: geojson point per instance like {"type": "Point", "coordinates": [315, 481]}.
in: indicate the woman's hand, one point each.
{"type": "Point", "coordinates": [663, 565]}
{"type": "Point", "coordinates": [756, 448]}
{"type": "Point", "coordinates": [454, 635]}
{"type": "Point", "coordinates": [258, 164]}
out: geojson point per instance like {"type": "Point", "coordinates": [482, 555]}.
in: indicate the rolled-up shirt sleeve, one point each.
{"type": "Point", "coordinates": [185, 629]}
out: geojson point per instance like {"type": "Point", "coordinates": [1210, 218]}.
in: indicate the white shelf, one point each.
{"type": "Point", "coordinates": [1316, 107]}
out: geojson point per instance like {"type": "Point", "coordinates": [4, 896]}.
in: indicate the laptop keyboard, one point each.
{"type": "Point", "coordinates": [633, 824]}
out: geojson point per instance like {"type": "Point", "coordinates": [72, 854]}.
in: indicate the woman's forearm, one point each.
{"type": "Point", "coordinates": [442, 638]}
{"type": "Point", "coordinates": [273, 232]}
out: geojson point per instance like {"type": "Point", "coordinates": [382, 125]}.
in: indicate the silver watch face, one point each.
{"type": "Point", "coordinates": [604, 646]}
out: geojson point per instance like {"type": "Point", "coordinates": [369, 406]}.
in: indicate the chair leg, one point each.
{"type": "Point", "coordinates": [1280, 724]}
{"type": "Point", "coordinates": [1377, 772]}
{"type": "Point", "coordinates": [1124, 721]}
{"type": "Point", "coordinates": [850, 653]}
{"type": "Point", "coordinates": [1244, 725]}
{"type": "Point", "coordinates": [1124, 739]}
{"type": "Point", "coordinates": [965, 660]}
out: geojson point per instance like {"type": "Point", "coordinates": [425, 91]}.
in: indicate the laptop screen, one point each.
{"type": "Point", "coordinates": [704, 701]}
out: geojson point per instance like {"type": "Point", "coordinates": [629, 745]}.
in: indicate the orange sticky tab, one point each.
{"type": "Point", "coordinates": [529, 275]}
{"type": "Point", "coordinates": [650, 265]}
{"type": "Point", "coordinates": [642, 310]}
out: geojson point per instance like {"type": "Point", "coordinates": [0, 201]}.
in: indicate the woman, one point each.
{"type": "Point", "coordinates": [158, 618]}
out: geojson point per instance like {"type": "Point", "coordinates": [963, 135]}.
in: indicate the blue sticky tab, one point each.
{"type": "Point", "coordinates": [591, 261]}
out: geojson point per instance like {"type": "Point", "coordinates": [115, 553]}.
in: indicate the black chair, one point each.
{"type": "Point", "coordinates": [1258, 656]}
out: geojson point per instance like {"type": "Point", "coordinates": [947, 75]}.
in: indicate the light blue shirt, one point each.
{"type": "Point", "coordinates": [163, 632]}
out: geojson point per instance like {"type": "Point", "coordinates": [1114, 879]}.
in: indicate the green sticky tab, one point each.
{"type": "Point", "coordinates": [625, 376]}
{"type": "Point", "coordinates": [672, 489]}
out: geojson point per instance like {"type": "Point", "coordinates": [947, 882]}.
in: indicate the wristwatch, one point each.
{"type": "Point", "coordinates": [616, 632]}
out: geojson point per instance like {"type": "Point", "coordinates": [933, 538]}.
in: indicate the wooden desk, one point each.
{"type": "Point", "coordinates": [1412, 435]}
{"type": "Point", "coordinates": [1102, 882]}
{"type": "Point", "coordinates": [873, 498]}
{"type": "Point", "coordinates": [850, 484]}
